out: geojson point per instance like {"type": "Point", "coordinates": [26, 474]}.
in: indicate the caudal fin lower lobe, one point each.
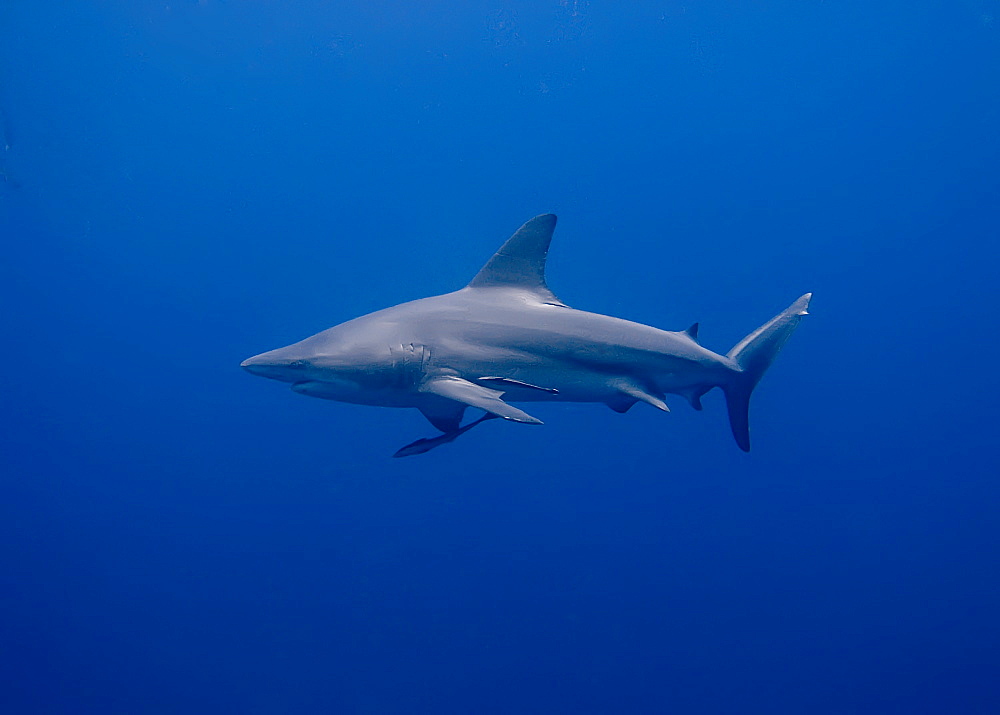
{"type": "Point", "coordinates": [754, 354]}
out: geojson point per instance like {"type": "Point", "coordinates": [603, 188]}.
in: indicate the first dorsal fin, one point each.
{"type": "Point", "coordinates": [520, 262]}
{"type": "Point", "coordinates": [692, 332]}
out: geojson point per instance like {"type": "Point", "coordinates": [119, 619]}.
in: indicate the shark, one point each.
{"type": "Point", "coordinates": [506, 338]}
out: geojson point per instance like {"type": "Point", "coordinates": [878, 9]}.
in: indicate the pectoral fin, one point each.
{"type": "Point", "coordinates": [455, 388]}
{"type": "Point", "coordinates": [446, 415]}
{"type": "Point", "coordinates": [621, 403]}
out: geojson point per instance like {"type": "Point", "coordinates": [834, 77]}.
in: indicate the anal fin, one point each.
{"type": "Point", "coordinates": [694, 395]}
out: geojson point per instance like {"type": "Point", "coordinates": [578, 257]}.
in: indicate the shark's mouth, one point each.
{"type": "Point", "coordinates": [313, 388]}
{"type": "Point", "coordinates": [328, 389]}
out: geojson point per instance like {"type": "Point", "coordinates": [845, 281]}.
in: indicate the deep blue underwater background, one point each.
{"type": "Point", "coordinates": [186, 184]}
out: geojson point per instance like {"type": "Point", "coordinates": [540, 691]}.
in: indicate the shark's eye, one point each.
{"type": "Point", "coordinates": [297, 363]}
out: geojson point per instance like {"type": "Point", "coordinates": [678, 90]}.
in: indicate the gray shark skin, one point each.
{"type": "Point", "coordinates": [506, 338]}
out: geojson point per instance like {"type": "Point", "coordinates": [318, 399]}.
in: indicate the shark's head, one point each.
{"type": "Point", "coordinates": [341, 363]}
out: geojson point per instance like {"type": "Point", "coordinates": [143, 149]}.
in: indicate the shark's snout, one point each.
{"type": "Point", "coordinates": [276, 365]}
{"type": "Point", "coordinates": [256, 366]}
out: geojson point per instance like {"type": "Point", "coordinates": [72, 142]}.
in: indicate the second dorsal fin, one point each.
{"type": "Point", "coordinates": [520, 262]}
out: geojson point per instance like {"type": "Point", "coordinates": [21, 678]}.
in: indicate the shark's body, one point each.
{"type": "Point", "coordinates": [506, 338]}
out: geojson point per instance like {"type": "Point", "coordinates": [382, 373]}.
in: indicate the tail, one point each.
{"type": "Point", "coordinates": [754, 354]}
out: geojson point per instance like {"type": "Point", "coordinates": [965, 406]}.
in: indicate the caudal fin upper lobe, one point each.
{"type": "Point", "coordinates": [754, 354]}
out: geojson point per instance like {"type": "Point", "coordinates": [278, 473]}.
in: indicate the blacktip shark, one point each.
{"type": "Point", "coordinates": [505, 338]}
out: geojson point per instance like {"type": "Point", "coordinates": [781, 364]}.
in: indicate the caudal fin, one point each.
{"type": "Point", "coordinates": [754, 354]}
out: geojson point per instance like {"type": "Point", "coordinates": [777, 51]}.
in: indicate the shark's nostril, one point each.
{"type": "Point", "coordinates": [253, 365]}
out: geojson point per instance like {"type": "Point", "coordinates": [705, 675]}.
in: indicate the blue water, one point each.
{"type": "Point", "coordinates": [187, 184]}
